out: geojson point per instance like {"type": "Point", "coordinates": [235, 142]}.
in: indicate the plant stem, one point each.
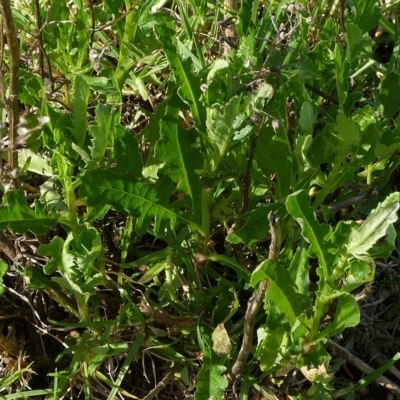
{"type": "Point", "coordinates": [256, 301]}
{"type": "Point", "coordinates": [12, 104]}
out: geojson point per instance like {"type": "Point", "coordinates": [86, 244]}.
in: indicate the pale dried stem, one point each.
{"type": "Point", "coordinates": [256, 301]}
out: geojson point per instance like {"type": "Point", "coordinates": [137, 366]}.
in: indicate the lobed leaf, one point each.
{"type": "Point", "coordinates": [16, 215]}
{"type": "Point", "coordinates": [144, 200]}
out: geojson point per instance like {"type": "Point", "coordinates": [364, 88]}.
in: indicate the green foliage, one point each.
{"type": "Point", "coordinates": [157, 170]}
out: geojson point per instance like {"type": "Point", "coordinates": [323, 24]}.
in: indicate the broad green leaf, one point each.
{"type": "Point", "coordinates": [256, 226]}
{"type": "Point", "coordinates": [38, 163]}
{"type": "Point", "coordinates": [220, 130]}
{"type": "Point", "coordinates": [388, 94]}
{"type": "Point", "coordinates": [181, 155]}
{"type": "Point", "coordinates": [375, 226]}
{"type": "Point", "coordinates": [16, 215]}
{"type": "Point", "coordinates": [259, 273]}
{"type": "Point", "coordinates": [79, 110]}
{"type": "Point", "coordinates": [273, 155]}
{"type": "Point", "coordinates": [347, 315]}
{"type": "Point", "coordinates": [100, 132]}
{"type": "Point", "coordinates": [366, 14]}
{"type": "Point", "coordinates": [282, 291]}
{"type": "Point", "coordinates": [342, 73]}
{"type": "Point", "coordinates": [307, 118]}
{"type": "Point", "coordinates": [347, 134]}
{"type": "Point", "coordinates": [127, 153]}
{"type": "Point", "coordinates": [270, 347]}
{"type": "Point", "coordinates": [299, 268]}
{"type": "Point", "coordinates": [210, 382]}
{"type": "Point", "coordinates": [189, 83]}
{"type": "Point", "coordinates": [245, 16]}
{"type": "Point", "coordinates": [143, 200]}
{"type": "Point", "coordinates": [318, 235]}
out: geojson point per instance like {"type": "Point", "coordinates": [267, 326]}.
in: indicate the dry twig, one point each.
{"type": "Point", "coordinates": [12, 106]}
{"type": "Point", "coordinates": [256, 300]}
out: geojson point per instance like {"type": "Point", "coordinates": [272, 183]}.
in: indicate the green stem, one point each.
{"type": "Point", "coordinates": [205, 217]}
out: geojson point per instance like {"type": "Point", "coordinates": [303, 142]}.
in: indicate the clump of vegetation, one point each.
{"type": "Point", "coordinates": [195, 197]}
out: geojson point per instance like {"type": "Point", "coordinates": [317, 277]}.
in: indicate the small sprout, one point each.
{"type": "Point", "coordinates": [310, 20]}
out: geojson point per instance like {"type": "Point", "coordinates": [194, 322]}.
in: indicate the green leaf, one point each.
{"type": "Point", "coordinates": [79, 110]}
{"type": "Point", "coordinates": [220, 129]}
{"type": "Point", "coordinates": [347, 315]}
{"type": "Point", "coordinates": [16, 215]}
{"type": "Point", "coordinates": [282, 292]}
{"type": "Point", "coordinates": [388, 94]}
{"type": "Point", "coordinates": [307, 118]}
{"type": "Point", "coordinates": [210, 382]}
{"type": "Point", "coordinates": [348, 136]}
{"type": "Point", "coordinates": [318, 235]}
{"type": "Point", "coordinates": [189, 84]}
{"type": "Point", "coordinates": [273, 155]}
{"type": "Point", "coordinates": [143, 200]}
{"type": "Point", "coordinates": [127, 153]}
{"type": "Point", "coordinates": [299, 267]}
{"type": "Point", "coordinates": [359, 273]}
{"type": "Point", "coordinates": [270, 347]}
{"type": "Point", "coordinates": [3, 271]}
{"type": "Point", "coordinates": [100, 132]}
{"type": "Point", "coordinates": [366, 14]}
{"type": "Point", "coordinates": [53, 250]}
{"type": "Point", "coordinates": [256, 226]}
{"type": "Point", "coordinates": [181, 155]}
{"type": "Point", "coordinates": [375, 226]}
{"type": "Point", "coordinates": [342, 73]}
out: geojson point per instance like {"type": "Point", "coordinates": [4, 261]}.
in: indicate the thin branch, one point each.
{"type": "Point", "coordinates": [321, 93]}
{"type": "Point", "coordinates": [256, 301]}
{"type": "Point", "coordinates": [162, 384]}
{"type": "Point", "coordinates": [12, 104]}
{"type": "Point", "coordinates": [247, 177]}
